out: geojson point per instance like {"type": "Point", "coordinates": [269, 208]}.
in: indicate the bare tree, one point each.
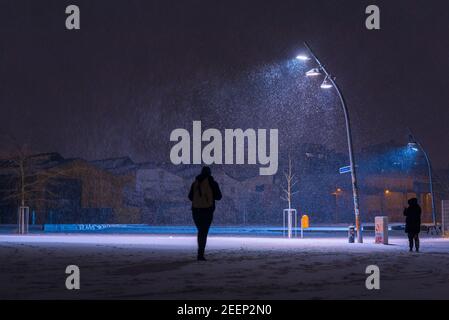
{"type": "Point", "coordinates": [289, 191]}
{"type": "Point", "coordinates": [23, 181]}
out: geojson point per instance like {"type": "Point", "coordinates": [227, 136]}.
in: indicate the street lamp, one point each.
{"type": "Point", "coordinates": [415, 146]}
{"type": "Point", "coordinates": [328, 83]}
{"type": "Point", "coordinates": [313, 72]}
{"type": "Point", "coordinates": [302, 57]}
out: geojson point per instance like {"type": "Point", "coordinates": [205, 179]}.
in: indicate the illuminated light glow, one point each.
{"type": "Point", "coordinates": [313, 72]}
{"type": "Point", "coordinates": [413, 146]}
{"type": "Point", "coordinates": [338, 190]}
{"type": "Point", "coordinates": [302, 57]}
{"type": "Point", "coordinates": [326, 84]}
{"type": "Point", "coordinates": [387, 191]}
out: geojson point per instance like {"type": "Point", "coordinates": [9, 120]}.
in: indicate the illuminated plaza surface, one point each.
{"type": "Point", "coordinates": [238, 267]}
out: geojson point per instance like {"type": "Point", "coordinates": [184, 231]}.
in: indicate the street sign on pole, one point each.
{"type": "Point", "coordinates": [346, 169]}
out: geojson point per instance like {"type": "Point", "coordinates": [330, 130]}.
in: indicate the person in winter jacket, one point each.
{"type": "Point", "coordinates": [413, 223]}
{"type": "Point", "coordinates": [203, 194]}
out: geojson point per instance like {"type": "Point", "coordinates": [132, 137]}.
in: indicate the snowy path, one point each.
{"type": "Point", "coordinates": [163, 267]}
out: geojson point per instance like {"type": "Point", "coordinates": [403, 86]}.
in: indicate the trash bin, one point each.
{"type": "Point", "coordinates": [351, 234]}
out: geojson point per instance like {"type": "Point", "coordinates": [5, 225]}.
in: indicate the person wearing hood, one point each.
{"type": "Point", "coordinates": [413, 223]}
{"type": "Point", "coordinates": [203, 194]}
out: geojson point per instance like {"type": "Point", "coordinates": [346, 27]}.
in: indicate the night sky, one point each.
{"type": "Point", "coordinates": [138, 69]}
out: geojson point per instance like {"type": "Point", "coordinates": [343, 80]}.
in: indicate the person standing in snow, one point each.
{"type": "Point", "coordinates": [413, 223]}
{"type": "Point", "coordinates": [203, 193]}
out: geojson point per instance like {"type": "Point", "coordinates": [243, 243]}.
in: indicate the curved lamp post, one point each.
{"type": "Point", "coordinates": [414, 145]}
{"type": "Point", "coordinates": [329, 82]}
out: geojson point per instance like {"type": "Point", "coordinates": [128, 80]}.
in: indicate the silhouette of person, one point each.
{"type": "Point", "coordinates": [413, 223]}
{"type": "Point", "coordinates": [203, 193]}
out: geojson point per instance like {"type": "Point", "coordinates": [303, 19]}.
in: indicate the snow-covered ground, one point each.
{"type": "Point", "coordinates": [164, 267]}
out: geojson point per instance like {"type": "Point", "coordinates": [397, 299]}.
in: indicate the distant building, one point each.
{"type": "Point", "coordinates": [390, 175]}
{"type": "Point", "coordinates": [118, 190]}
{"type": "Point", "coordinates": [62, 190]}
{"type": "Point", "coordinates": [388, 194]}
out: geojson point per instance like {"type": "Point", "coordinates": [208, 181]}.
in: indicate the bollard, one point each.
{"type": "Point", "coordinates": [351, 234]}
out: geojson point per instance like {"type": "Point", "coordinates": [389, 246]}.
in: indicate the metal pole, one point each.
{"type": "Point", "coordinates": [355, 191]}
{"type": "Point", "coordinates": [429, 168]}
{"type": "Point", "coordinates": [283, 223]}
{"type": "Point", "coordinates": [336, 207]}
{"type": "Point", "coordinates": [296, 222]}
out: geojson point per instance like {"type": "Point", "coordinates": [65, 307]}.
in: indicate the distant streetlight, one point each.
{"type": "Point", "coordinates": [328, 83]}
{"type": "Point", "coordinates": [415, 146]}
{"type": "Point", "coordinates": [336, 193]}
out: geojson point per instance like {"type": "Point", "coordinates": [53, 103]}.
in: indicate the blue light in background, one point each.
{"type": "Point", "coordinates": [413, 147]}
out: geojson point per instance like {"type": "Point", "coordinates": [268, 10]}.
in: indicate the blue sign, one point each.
{"type": "Point", "coordinates": [345, 169]}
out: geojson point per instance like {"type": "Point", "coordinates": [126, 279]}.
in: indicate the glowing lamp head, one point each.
{"type": "Point", "coordinates": [313, 72]}
{"type": "Point", "coordinates": [412, 145]}
{"type": "Point", "coordinates": [302, 57]}
{"type": "Point", "coordinates": [387, 191]}
{"type": "Point", "coordinates": [326, 84]}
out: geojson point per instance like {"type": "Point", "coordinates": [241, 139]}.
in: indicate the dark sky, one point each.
{"type": "Point", "coordinates": [138, 69]}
